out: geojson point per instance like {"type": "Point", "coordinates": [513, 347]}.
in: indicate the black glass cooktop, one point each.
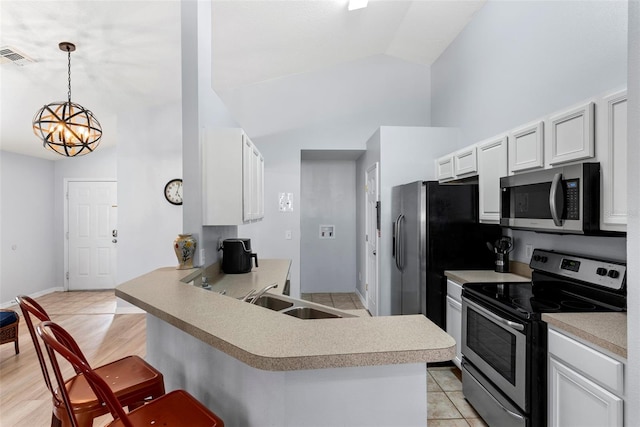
{"type": "Point", "coordinates": [529, 300]}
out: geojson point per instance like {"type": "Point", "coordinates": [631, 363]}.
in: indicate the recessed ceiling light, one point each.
{"type": "Point", "coordinates": [357, 4]}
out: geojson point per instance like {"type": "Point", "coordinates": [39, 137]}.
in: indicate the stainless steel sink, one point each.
{"type": "Point", "coordinates": [273, 303]}
{"type": "Point", "coordinates": [310, 313]}
{"type": "Point", "coordinates": [297, 308]}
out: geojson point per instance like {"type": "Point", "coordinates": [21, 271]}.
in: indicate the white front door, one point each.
{"type": "Point", "coordinates": [92, 235]}
{"type": "Point", "coordinates": [371, 286]}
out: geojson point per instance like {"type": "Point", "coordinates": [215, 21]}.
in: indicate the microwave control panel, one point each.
{"type": "Point", "coordinates": [572, 198]}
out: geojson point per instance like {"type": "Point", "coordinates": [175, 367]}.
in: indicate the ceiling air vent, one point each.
{"type": "Point", "coordinates": [10, 54]}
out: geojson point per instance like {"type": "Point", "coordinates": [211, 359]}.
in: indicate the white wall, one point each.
{"type": "Point", "coordinates": [328, 196]}
{"type": "Point", "coordinates": [517, 61]}
{"type": "Point", "coordinates": [27, 238]}
{"type": "Point", "coordinates": [632, 416]}
{"type": "Point", "coordinates": [149, 155]}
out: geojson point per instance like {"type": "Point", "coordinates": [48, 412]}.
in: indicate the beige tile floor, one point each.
{"type": "Point", "coordinates": [446, 405]}
{"type": "Point", "coordinates": [341, 301]}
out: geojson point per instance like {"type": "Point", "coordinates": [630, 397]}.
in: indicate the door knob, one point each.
{"type": "Point", "coordinates": [375, 252]}
{"type": "Point", "coordinates": [114, 241]}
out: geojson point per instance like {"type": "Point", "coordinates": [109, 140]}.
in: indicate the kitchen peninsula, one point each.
{"type": "Point", "coordinates": [255, 366]}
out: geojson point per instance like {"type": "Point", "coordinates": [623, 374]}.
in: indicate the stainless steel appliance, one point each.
{"type": "Point", "coordinates": [237, 256]}
{"type": "Point", "coordinates": [561, 200]}
{"type": "Point", "coordinates": [435, 228]}
{"type": "Point", "coordinates": [504, 340]}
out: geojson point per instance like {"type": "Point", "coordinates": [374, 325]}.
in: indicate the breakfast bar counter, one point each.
{"type": "Point", "coordinates": [242, 360]}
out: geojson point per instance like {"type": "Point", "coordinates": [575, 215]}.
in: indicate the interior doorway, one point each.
{"type": "Point", "coordinates": [328, 221]}
{"type": "Point", "coordinates": [372, 236]}
{"type": "Point", "coordinates": [91, 235]}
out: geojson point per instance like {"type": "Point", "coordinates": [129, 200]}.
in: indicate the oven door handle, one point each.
{"type": "Point", "coordinates": [496, 318]}
{"type": "Point", "coordinates": [488, 393]}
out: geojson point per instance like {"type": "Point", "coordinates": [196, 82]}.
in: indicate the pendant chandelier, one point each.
{"type": "Point", "coordinates": [66, 127]}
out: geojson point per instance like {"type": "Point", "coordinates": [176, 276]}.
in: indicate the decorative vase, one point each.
{"type": "Point", "coordinates": [185, 248]}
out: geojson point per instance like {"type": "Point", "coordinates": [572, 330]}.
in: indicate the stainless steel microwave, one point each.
{"type": "Point", "coordinates": [560, 200]}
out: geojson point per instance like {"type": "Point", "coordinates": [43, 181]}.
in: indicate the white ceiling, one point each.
{"type": "Point", "coordinates": [128, 52]}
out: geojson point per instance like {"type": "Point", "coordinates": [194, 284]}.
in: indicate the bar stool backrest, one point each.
{"type": "Point", "coordinates": [58, 340]}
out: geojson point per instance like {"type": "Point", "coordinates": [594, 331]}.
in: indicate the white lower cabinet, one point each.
{"type": "Point", "coordinates": [454, 317]}
{"type": "Point", "coordinates": [586, 386]}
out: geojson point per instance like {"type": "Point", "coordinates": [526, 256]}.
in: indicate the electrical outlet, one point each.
{"type": "Point", "coordinates": [287, 234]}
{"type": "Point", "coordinates": [528, 251]}
{"type": "Point", "coordinates": [202, 258]}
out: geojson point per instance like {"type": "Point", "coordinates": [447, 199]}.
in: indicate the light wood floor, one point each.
{"type": "Point", "coordinates": [102, 335]}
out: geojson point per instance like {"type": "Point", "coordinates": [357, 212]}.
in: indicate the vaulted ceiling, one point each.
{"type": "Point", "coordinates": [128, 52]}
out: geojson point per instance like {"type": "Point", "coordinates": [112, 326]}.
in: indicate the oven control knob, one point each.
{"type": "Point", "coordinates": [536, 257]}
{"type": "Point", "coordinates": [601, 271]}
{"type": "Point", "coordinates": [614, 274]}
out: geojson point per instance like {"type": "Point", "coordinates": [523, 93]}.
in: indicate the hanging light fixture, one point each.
{"type": "Point", "coordinates": [66, 127]}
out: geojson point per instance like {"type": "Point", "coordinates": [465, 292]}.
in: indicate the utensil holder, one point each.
{"type": "Point", "coordinates": [502, 263]}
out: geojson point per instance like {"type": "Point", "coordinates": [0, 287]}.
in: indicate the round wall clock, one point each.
{"type": "Point", "coordinates": [173, 191]}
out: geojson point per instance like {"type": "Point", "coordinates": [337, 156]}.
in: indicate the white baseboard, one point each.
{"type": "Point", "coordinates": [33, 295]}
{"type": "Point", "coordinates": [362, 299]}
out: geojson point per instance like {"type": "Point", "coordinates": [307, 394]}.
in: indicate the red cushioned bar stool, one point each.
{"type": "Point", "coordinates": [131, 379]}
{"type": "Point", "coordinates": [177, 408]}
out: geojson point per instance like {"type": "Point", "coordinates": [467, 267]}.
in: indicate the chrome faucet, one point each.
{"type": "Point", "coordinates": [247, 296]}
{"type": "Point", "coordinates": [263, 291]}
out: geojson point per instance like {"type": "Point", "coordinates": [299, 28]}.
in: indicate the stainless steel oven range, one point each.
{"type": "Point", "coordinates": [504, 340]}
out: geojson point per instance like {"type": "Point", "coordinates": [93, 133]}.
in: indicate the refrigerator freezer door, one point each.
{"type": "Point", "coordinates": [408, 267]}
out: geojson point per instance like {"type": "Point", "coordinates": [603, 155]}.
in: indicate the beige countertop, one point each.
{"type": "Point", "coordinates": [606, 330]}
{"type": "Point", "coordinates": [273, 341]}
{"type": "Point", "coordinates": [471, 276]}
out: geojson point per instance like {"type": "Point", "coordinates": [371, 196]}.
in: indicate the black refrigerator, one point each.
{"type": "Point", "coordinates": [435, 228]}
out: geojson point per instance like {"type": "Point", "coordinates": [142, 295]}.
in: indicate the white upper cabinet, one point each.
{"type": "Point", "coordinates": [461, 164]}
{"type": "Point", "coordinates": [444, 168]}
{"type": "Point", "coordinates": [492, 165]}
{"type": "Point", "coordinates": [612, 153]}
{"type": "Point", "coordinates": [232, 178]}
{"type": "Point", "coordinates": [572, 135]}
{"type": "Point", "coordinates": [526, 147]}
{"type": "Point", "coordinates": [466, 162]}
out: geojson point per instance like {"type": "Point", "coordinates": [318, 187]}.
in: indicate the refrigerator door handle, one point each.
{"type": "Point", "coordinates": [400, 244]}
{"type": "Point", "coordinates": [395, 239]}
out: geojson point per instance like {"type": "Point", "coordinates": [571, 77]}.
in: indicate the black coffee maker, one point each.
{"type": "Point", "coordinates": [236, 256]}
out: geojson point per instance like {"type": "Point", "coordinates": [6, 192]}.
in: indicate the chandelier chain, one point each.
{"type": "Point", "coordinates": [69, 69]}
